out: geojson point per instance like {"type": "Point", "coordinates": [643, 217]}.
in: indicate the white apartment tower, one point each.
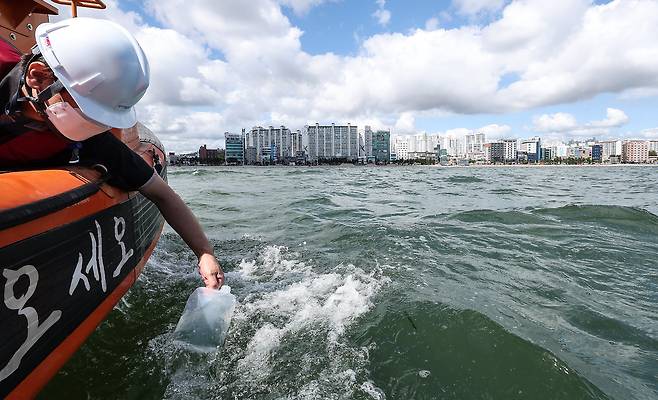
{"type": "Point", "coordinates": [333, 141]}
{"type": "Point", "coordinates": [510, 149]}
{"type": "Point", "coordinates": [273, 144]}
{"type": "Point", "coordinates": [401, 146]}
{"type": "Point", "coordinates": [610, 148]}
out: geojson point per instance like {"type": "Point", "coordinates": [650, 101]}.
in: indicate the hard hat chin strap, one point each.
{"type": "Point", "coordinates": [40, 99]}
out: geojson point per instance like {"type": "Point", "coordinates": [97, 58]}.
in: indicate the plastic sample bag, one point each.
{"type": "Point", "coordinates": [206, 319]}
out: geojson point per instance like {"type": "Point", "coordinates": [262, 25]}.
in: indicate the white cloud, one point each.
{"type": "Point", "coordinates": [614, 119]}
{"type": "Point", "coordinates": [474, 7]}
{"type": "Point", "coordinates": [567, 125]}
{"type": "Point", "coordinates": [651, 133]}
{"type": "Point", "coordinates": [406, 123]}
{"type": "Point", "coordinates": [495, 131]}
{"type": "Point", "coordinates": [432, 24]}
{"type": "Point", "coordinates": [243, 62]}
{"type": "Point", "coordinates": [558, 122]}
{"type": "Point", "coordinates": [382, 15]}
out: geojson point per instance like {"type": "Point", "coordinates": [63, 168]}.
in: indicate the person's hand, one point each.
{"type": "Point", "coordinates": [211, 271]}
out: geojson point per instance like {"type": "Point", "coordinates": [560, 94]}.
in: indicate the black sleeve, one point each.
{"type": "Point", "coordinates": [128, 171]}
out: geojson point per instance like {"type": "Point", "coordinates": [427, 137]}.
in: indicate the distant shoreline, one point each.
{"type": "Point", "coordinates": [432, 166]}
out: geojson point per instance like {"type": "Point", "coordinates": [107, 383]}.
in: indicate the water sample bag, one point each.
{"type": "Point", "coordinates": [206, 319]}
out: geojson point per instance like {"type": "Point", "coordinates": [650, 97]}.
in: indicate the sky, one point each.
{"type": "Point", "coordinates": [559, 69]}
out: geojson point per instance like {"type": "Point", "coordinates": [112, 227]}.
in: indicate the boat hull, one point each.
{"type": "Point", "coordinates": [59, 280]}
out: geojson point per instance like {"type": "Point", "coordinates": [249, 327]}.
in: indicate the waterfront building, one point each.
{"type": "Point", "coordinates": [251, 155]}
{"type": "Point", "coordinates": [423, 155]}
{"type": "Point", "coordinates": [210, 156]}
{"type": "Point", "coordinates": [296, 144]}
{"type": "Point", "coordinates": [420, 143]}
{"type": "Point", "coordinates": [234, 148]}
{"type": "Point", "coordinates": [381, 145]}
{"type": "Point", "coordinates": [597, 152]}
{"type": "Point", "coordinates": [473, 147]}
{"type": "Point", "coordinates": [401, 147]}
{"type": "Point", "coordinates": [532, 147]}
{"type": "Point", "coordinates": [496, 152]}
{"type": "Point", "coordinates": [511, 148]}
{"type": "Point", "coordinates": [367, 139]}
{"type": "Point", "coordinates": [610, 148]}
{"type": "Point", "coordinates": [274, 144]}
{"type": "Point", "coordinates": [547, 153]}
{"type": "Point", "coordinates": [326, 142]}
{"type": "Point", "coordinates": [437, 151]}
{"type": "Point", "coordinates": [635, 151]}
{"type": "Point", "coordinates": [443, 157]}
{"type": "Point", "coordinates": [433, 141]}
{"type": "Point", "coordinates": [561, 151]}
{"type": "Point", "coordinates": [452, 145]}
{"type": "Point", "coordinates": [653, 146]}
{"type": "Point", "coordinates": [573, 151]}
{"type": "Point", "coordinates": [583, 152]}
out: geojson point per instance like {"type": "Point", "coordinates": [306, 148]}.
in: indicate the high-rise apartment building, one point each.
{"type": "Point", "coordinates": [333, 141]}
{"type": "Point", "coordinates": [401, 147]}
{"type": "Point", "coordinates": [511, 149]}
{"type": "Point", "coordinates": [653, 145]}
{"type": "Point", "coordinates": [635, 151]}
{"type": "Point", "coordinates": [494, 152]}
{"type": "Point", "coordinates": [274, 144]}
{"type": "Point", "coordinates": [597, 152]}
{"type": "Point", "coordinates": [610, 148]}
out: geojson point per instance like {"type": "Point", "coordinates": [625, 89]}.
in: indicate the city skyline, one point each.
{"type": "Point", "coordinates": [335, 143]}
{"type": "Point", "coordinates": [565, 69]}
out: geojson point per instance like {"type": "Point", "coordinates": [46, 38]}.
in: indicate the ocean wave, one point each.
{"type": "Point", "coordinates": [617, 217]}
{"type": "Point", "coordinates": [422, 349]}
{"type": "Point", "coordinates": [464, 179]}
{"type": "Point", "coordinates": [500, 217]}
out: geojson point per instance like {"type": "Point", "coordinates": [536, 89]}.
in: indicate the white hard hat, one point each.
{"type": "Point", "coordinates": [100, 64]}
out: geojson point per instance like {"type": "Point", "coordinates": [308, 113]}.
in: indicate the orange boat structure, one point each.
{"type": "Point", "coordinates": [70, 245]}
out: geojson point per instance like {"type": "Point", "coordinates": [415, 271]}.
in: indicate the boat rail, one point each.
{"type": "Point", "coordinates": [40, 208]}
{"type": "Point", "coordinates": [96, 4]}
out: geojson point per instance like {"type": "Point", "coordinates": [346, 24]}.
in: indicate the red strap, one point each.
{"type": "Point", "coordinates": [9, 57]}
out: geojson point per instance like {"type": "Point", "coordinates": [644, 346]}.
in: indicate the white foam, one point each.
{"type": "Point", "coordinates": [300, 299]}
{"type": "Point", "coordinates": [424, 373]}
{"type": "Point", "coordinates": [373, 391]}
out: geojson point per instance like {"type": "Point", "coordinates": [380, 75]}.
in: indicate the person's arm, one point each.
{"type": "Point", "coordinates": [180, 217]}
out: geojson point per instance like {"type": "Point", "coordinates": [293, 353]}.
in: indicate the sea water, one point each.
{"type": "Point", "coordinates": [206, 319]}
{"type": "Point", "coordinates": [398, 283]}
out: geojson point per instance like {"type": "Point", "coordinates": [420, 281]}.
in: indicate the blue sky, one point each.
{"type": "Point", "coordinates": [567, 68]}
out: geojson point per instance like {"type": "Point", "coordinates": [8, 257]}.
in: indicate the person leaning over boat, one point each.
{"type": "Point", "coordinates": [83, 78]}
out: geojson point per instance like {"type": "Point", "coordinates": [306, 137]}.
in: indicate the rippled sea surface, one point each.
{"type": "Point", "coordinates": [399, 283]}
